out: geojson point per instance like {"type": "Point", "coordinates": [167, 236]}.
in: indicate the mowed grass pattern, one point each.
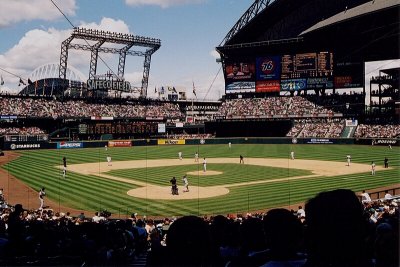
{"type": "Point", "coordinates": [37, 169]}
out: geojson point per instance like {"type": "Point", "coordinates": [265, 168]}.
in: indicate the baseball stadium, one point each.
{"type": "Point", "coordinates": [298, 122]}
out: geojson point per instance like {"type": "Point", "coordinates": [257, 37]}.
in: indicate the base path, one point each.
{"type": "Point", "coordinates": [145, 190]}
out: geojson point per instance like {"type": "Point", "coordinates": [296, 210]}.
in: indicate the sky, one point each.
{"type": "Point", "coordinates": [31, 32]}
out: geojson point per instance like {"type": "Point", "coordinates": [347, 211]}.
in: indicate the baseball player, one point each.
{"type": "Point", "coordinates": [230, 144]}
{"type": "Point", "coordinates": [109, 163]}
{"type": "Point", "coordinates": [292, 155]}
{"type": "Point", "coordinates": [185, 184]}
{"type": "Point", "coordinates": [42, 193]}
{"type": "Point", "coordinates": [373, 168]}
{"type": "Point", "coordinates": [180, 155]}
{"type": "Point", "coordinates": [204, 165]}
{"type": "Point", "coordinates": [348, 160]}
{"type": "Point", "coordinates": [241, 159]}
{"type": "Point", "coordinates": [196, 157]}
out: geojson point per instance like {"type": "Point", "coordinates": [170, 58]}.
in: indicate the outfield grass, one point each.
{"type": "Point", "coordinates": [38, 169]}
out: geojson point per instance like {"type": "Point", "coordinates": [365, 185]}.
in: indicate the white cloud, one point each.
{"type": "Point", "coordinates": [41, 46]}
{"type": "Point", "coordinates": [161, 3]}
{"type": "Point", "coordinates": [107, 24]}
{"type": "Point", "coordinates": [14, 11]}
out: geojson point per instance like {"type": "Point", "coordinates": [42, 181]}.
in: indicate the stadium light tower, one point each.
{"type": "Point", "coordinates": [100, 38]}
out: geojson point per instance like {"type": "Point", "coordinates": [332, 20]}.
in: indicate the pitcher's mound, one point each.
{"type": "Point", "coordinates": [201, 173]}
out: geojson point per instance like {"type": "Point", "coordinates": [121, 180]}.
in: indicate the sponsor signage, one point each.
{"type": "Point", "coordinates": [318, 83]}
{"type": "Point", "coordinates": [120, 143]}
{"type": "Point", "coordinates": [268, 86]}
{"type": "Point", "coordinates": [161, 128]}
{"type": "Point", "coordinates": [62, 145]}
{"type": "Point", "coordinates": [118, 85]}
{"type": "Point", "coordinates": [241, 87]}
{"type": "Point", "coordinates": [384, 142]}
{"type": "Point", "coordinates": [319, 141]}
{"type": "Point", "coordinates": [24, 146]}
{"type": "Point", "coordinates": [98, 118]}
{"type": "Point", "coordinates": [293, 84]}
{"type": "Point", "coordinates": [179, 124]}
{"type": "Point", "coordinates": [268, 68]}
{"type": "Point", "coordinates": [171, 141]}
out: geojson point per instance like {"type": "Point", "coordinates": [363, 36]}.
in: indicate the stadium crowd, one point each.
{"type": "Point", "coordinates": [21, 131]}
{"type": "Point", "coordinates": [335, 229]}
{"type": "Point", "coordinates": [377, 131]}
{"type": "Point", "coordinates": [270, 106]}
{"type": "Point", "coordinates": [332, 128]}
{"type": "Point", "coordinates": [50, 108]}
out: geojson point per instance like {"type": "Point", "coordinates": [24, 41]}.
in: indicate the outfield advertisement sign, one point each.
{"type": "Point", "coordinates": [171, 141]}
{"type": "Point", "coordinates": [64, 145]}
{"type": "Point", "coordinates": [384, 142]}
{"type": "Point", "coordinates": [25, 146]}
{"type": "Point", "coordinates": [120, 143]}
{"type": "Point", "coordinates": [319, 141]}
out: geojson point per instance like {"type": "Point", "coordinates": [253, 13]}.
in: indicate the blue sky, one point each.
{"type": "Point", "coordinates": [31, 32]}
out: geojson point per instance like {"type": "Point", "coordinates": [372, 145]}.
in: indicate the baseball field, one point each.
{"type": "Point", "coordinates": [139, 178]}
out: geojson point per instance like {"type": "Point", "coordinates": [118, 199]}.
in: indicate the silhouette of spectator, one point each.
{"type": "Point", "coordinates": [336, 230]}
{"type": "Point", "coordinates": [189, 243]}
{"type": "Point", "coordinates": [283, 234]}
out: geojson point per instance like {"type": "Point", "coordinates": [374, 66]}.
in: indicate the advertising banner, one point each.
{"type": "Point", "coordinates": [293, 84]}
{"type": "Point", "coordinates": [120, 143]}
{"type": "Point", "coordinates": [319, 83]}
{"type": "Point", "coordinates": [241, 87]}
{"type": "Point", "coordinates": [268, 68]}
{"type": "Point", "coordinates": [63, 145]}
{"type": "Point", "coordinates": [268, 86]}
{"type": "Point", "coordinates": [171, 141]}
{"type": "Point", "coordinates": [25, 146]}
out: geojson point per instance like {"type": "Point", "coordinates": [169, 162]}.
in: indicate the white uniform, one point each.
{"type": "Point", "coordinates": [64, 171]}
{"type": "Point", "coordinates": [348, 160]}
{"type": "Point", "coordinates": [204, 165]}
{"type": "Point", "coordinates": [109, 161]}
{"type": "Point", "coordinates": [180, 155]}
{"type": "Point", "coordinates": [185, 184]}
{"type": "Point", "coordinates": [230, 144]}
{"type": "Point", "coordinates": [196, 157]}
{"type": "Point", "coordinates": [373, 168]}
{"type": "Point", "coordinates": [292, 155]}
{"type": "Point", "coordinates": [105, 147]}
{"type": "Point", "coordinates": [42, 193]}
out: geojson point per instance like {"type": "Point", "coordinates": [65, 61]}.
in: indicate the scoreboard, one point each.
{"type": "Point", "coordinates": [307, 65]}
{"type": "Point", "coordinates": [275, 73]}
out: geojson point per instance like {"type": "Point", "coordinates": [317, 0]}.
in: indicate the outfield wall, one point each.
{"type": "Point", "coordinates": [33, 145]}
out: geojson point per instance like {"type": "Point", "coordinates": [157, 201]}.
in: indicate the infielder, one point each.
{"type": "Point", "coordinates": [204, 165]}
{"type": "Point", "coordinates": [373, 168]}
{"type": "Point", "coordinates": [196, 157]}
{"type": "Point", "coordinates": [180, 155]}
{"type": "Point", "coordinates": [348, 160]}
{"type": "Point", "coordinates": [64, 167]}
{"type": "Point", "coordinates": [230, 144]}
{"type": "Point", "coordinates": [42, 193]}
{"type": "Point", "coordinates": [185, 184]}
{"type": "Point", "coordinates": [292, 155]}
{"type": "Point", "coordinates": [109, 163]}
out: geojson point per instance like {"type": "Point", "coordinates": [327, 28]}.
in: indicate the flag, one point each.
{"type": "Point", "coordinates": [194, 90]}
{"type": "Point", "coordinates": [21, 82]}
{"type": "Point", "coordinates": [174, 90]}
{"type": "Point", "coordinates": [1, 81]}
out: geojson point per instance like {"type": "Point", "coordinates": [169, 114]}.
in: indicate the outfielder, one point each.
{"type": "Point", "coordinates": [204, 165]}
